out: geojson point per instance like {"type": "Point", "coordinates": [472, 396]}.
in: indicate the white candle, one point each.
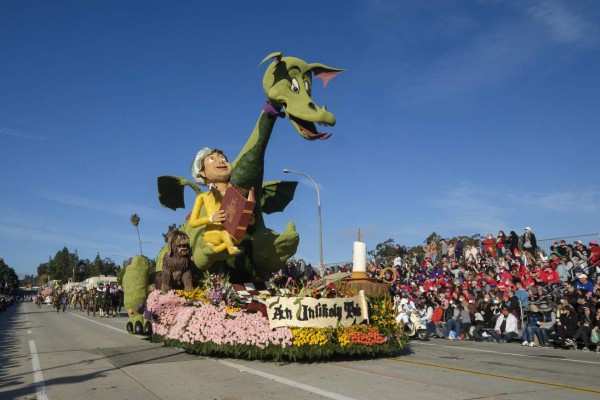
{"type": "Point", "coordinates": [359, 257]}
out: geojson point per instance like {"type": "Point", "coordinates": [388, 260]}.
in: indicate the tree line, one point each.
{"type": "Point", "coordinates": [67, 265]}
{"type": "Point", "coordinates": [8, 276]}
{"type": "Point", "coordinates": [389, 249]}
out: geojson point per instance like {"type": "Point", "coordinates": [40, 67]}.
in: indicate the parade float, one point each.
{"type": "Point", "coordinates": [211, 294]}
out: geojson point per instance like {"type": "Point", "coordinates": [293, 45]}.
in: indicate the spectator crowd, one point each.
{"type": "Point", "coordinates": [7, 300]}
{"type": "Point", "coordinates": [504, 289]}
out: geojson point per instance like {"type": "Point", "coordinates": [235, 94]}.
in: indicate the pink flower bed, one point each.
{"type": "Point", "coordinates": [164, 307]}
{"type": "Point", "coordinates": [207, 323]}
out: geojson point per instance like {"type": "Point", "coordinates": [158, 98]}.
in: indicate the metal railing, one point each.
{"type": "Point", "coordinates": [545, 244]}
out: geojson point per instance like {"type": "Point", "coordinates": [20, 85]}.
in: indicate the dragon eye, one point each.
{"type": "Point", "coordinates": [307, 86]}
{"type": "Point", "coordinates": [295, 86]}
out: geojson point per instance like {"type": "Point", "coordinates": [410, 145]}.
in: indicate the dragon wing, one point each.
{"type": "Point", "coordinates": [170, 191]}
{"type": "Point", "coordinates": [276, 195]}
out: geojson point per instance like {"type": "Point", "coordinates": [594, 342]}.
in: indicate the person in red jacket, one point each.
{"type": "Point", "coordinates": [594, 260]}
{"type": "Point", "coordinates": [501, 244]}
{"type": "Point", "coordinates": [594, 253]}
{"type": "Point", "coordinates": [505, 275]}
{"type": "Point", "coordinates": [531, 279]}
{"type": "Point", "coordinates": [438, 312]}
{"type": "Point", "coordinates": [489, 245]}
{"type": "Point", "coordinates": [549, 275]}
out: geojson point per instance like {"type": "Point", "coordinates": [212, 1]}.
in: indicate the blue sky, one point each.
{"type": "Point", "coordinates": [458, 117]}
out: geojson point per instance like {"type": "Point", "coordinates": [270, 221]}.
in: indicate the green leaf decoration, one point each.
{"type": "Point", "coordinates": [276, 195]}
{"type": "Point", "coordinates": [170, 191]}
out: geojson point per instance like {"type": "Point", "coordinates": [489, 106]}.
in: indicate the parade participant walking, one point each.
{"type": "Point", "coordinates": [99, 299]}
{"type": "Point", "coordinates": [63, 301]}
{"type": "Point", "coordinates": [106, 301]}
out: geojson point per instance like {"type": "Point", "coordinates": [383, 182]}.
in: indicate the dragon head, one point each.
{"type": "Point", "coordinates": [288, 84]}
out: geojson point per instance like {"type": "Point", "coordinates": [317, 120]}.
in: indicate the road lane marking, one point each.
{"type": "Point", "coordinates": [122, 330]}
{"type": "Point", "coordinates": [511, 378]}
{"type": "Point", "coordinates": [285, 381]}
{"type": "Point", "coordinates": [38, 376]}
{"type": "Point", "coordinates": [512, 354]}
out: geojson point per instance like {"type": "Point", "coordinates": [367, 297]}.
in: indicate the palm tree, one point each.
{"type": "Point", "coordinates": [135, 221]}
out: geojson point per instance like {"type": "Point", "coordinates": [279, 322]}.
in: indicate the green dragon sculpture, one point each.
{"type": "Point", "coordinates": [135, 285]}
{"type": "Point", "coordinates": [288, 85]}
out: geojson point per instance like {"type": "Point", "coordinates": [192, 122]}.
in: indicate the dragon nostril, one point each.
{"type": "Point", "coordinates": [312, 106]}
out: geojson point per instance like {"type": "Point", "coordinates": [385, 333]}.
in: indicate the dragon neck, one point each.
{"type": "Point", "coordinates": [248, 167]}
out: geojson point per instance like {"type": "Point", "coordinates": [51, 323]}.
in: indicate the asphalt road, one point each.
{"type": "Point", "coordinates": [45, 355]}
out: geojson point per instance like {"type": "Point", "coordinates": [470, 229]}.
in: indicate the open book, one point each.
{"type": "Point", "coordinates": [238, 211]}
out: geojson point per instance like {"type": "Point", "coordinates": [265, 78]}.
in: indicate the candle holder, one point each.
{"type": "Point", "coordinates": [358, 278]}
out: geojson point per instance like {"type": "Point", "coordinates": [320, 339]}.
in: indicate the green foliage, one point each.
{"type": "Point", "coordinates": [277, 353]}
{"type": "Point", "coordinates": [382, 316]}
{"type": "Point", "coordinates": [135, 282]}
{"type": "Point", "coordinates": [434, 237]}
{"type": "Point", "coordinates": [42, 269]}
{"type": "Point", "coordinates": [42, 279]}
{"type": "Point", "coordinates": [474, 240]}
{"type": "Point", "coordinates": [416, 250]}
{"type": "Point", "coordinates": [82, 270]}
{"type": "Point", "coordinates": [66, 264]}
{"type": "Point", "coordinates": [28, 281]}
{"type": "Point", "coordinates": [170, 229]}
{"type": "Point", "coordinates": [120, 276]}
{"type": "Point", "coordinates": [96, 266]}
{"type": "Point", "coordinates": [135, 220]}
{"type": "Point", "coordinates": [385, 250]}
{"type": "Point", "coordinates": [8, 276]}
{"type": "Point", "coordinates": [60, 267]}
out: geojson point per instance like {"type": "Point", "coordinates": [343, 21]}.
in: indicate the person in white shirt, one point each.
{"type": "Point", "coordinates": [506, 326]}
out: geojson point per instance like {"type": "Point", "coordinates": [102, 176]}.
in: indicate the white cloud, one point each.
{"type": "Point", "coordinates": [498, 53]}
{"type": "Point", "coordinates": [34, 233]}
{"type": "Point", "coordinates": [482, 53]}
{"type": "Point", "coordinates": [17, 133]}
{"type": "Point", "coordinates": [23, 225]}
{"type": "Point", "coordinates": [584, 201]}
{"type": "Point", "coordinates": [108, 235]}
{"type": "Point", "coordinates": [468, 209]}
{"type": "Point", "coordinates": [115, 208]}
{"type": "Point", "coordinates": [565, 24]}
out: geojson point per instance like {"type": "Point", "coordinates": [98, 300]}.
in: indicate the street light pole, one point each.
{"type": "Point", "coordinates": [290, 171]}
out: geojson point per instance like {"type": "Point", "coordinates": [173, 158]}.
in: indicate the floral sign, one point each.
{"type": "Point", "coordinates": [316, 313]}
{"type": "Point", "coordinates": [208, 322]}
